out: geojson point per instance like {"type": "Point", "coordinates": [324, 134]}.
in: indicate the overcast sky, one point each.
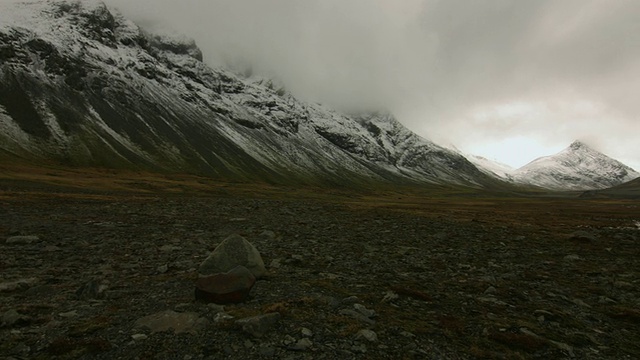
{"type": "Point", "coordinates": [509, 80]}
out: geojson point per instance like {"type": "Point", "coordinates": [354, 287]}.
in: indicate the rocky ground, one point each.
{"type": "Point", "coordinates": [383, 276]}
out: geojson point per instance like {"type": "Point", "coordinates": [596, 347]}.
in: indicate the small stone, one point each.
{"type": "Point", "coordinates": [390, 296]}
{"type": "Point", "coordinates": [572, 257]}
{"type": "Point", "coordinates": [350, 300]}
{"type": "Point", "coordinates": [17, 284]}
{"type": "Point", "coordinates": [215, 308]}
{"type": "Point", "coordinates": [268, 234]}
{"type": "Point", "coordinates": [69, 314]}
{"type": "Point", "coordinates": [275, 263]}
{"type": "Point", "coordinates": [222, 316]}
{"type": "Point", "coordinates": [306, 332]}
{"type": "Point", "coordinates": [187, 322]}
{"type": "Point", "coordinates": [356, 315]}
{"type": "Point", "coordinates": [22, 240]}
{"type": "Point", "coordinates": [162, 269]}
{"type": "Point", "coordinates": [407, 334]}
{"type": "Point", "coordinates": [226, 288]}
{"type": "Point", "coordinates": [288, 340]}
{"type": "Point", "coordinates": [301, 345]}
{"type": "Point", "coordinates": [364, 311]}
{"type": "Point", "coordinates": [491, 290]}
{"type": "Point", "coordinates": [12, 317]}
{"type": "Point", "coordinates": [169, 248]}
{"type": "Point", "coordinates": [233, 251]}
{"type": "Point", "coordinates": [582, 236]}
{"type": "Point", "coordinates": [138, 337]}
{"type": "Point", "coordinates": [491, 299]}
{"type": "Point", "coordinates": [257, 326]}
{"type": "Point", "coordinates": [564, 347]}
{"type": "Point", "coordinates": [580, 303]}
{"type": "Point", "coordinates": [367, 334]}
{"type": "Point", "coordinates": [294, 260]}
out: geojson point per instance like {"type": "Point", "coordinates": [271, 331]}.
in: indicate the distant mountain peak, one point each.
{"type": "Point", "coordinates": [578, 167]}
{"type": "Point", "coordinates": [579, 145]}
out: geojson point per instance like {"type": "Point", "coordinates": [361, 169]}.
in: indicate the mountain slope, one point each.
{"type": "Point", "coordinates": [577, 167]}
{"type": "Point", "coordinates": [491, 167]}
{"type": "Point", "coordinates": [81, 84]}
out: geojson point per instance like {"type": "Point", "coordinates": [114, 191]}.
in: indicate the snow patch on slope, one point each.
{"type": "Point", "coordinates": [491, 167]}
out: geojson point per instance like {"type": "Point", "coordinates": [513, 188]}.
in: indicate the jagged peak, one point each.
{"type": "Point", "coordinates": [577, 145]}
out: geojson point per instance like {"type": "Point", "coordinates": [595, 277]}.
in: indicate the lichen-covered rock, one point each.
{"type": "Point", "coordinates": [233, 251]}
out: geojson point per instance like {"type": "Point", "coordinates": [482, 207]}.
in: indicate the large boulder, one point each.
{"type": "Point", "coordinates": [233, 251]}
{"type": "Point", "coordinates": [225, 288]}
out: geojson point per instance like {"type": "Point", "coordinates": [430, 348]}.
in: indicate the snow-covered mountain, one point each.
{"type": "Point", "coordinates": [81, 84]}
{"type": "Point", "coordinates": [577, 167]}
{"type": "Point", "coordinates": [491, 167]}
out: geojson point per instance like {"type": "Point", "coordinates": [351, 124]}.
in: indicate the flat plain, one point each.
{"type": "Point", "coordinates": [386, 273]}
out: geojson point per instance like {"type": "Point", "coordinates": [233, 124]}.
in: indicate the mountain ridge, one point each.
{"type": "Point", "coordinates": [102, 91]}
{"type": "Point", "coordinates": [83, 85]}
{"type": "Point", "coordinates": [577, 167]}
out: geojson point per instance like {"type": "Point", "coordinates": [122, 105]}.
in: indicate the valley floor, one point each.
{"type": "Point", "coordinates": [432, 274]}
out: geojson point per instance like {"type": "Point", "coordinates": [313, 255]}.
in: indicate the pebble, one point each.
{"type": "Point", "coordinates": [364, 311]}
{"type": "Point", "coordinates": [69, 314]}
{"type": "Point", "coordinates": [187, 322]}
{"type": "Point", "coordinates": [490, 290]}
{"type": "Point", "coordinates": [22, 240]}
{"type": "Point", "coordinates": [12, 317]}
{"type": "Point", "coordinates": [169, 248]}
{"type": "Point", "coordinates": [301, 345]}
{"type": "Point", "coordinates": [367, 334]}
{"type": "Point", "coordinates": [356, 315]}
{"type": "Point", "coordinates": [17, 284]}
{"type": "Point", "coordinates": [583, 236]}
{"type": "Point", "coordinates": [390, 296]}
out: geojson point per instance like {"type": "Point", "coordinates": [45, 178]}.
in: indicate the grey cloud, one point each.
{"type": "Point", "coordinates": [436, 63]}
